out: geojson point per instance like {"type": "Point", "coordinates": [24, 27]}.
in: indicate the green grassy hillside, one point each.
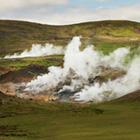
{"type": "Point", "coordinates": [27, 120]}
{"type": "Point", "coordinates": [15, 36]}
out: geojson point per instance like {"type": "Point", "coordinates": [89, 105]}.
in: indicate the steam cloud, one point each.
{"type": "Point", "coordinates": [81, 66]}
{"type": "Point", "coordinates": [38, 50]}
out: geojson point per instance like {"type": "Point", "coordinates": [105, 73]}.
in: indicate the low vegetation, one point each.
{"type": "Point", "coordinates": [16, 36]}
{"type": "Point", "coordinates": [51, 121]}
{"type": "Point", "coordinates": [29, 120]}
{"type": "Point", "coordinates": [54, 60]}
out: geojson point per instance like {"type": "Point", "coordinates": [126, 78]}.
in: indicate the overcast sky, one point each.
{"type": "Point", "coordinates": [60, 12]}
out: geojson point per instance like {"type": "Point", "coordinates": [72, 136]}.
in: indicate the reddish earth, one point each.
{"type": "Point", "coordinates": [134, 96]}
{"type": "Point", "coordinates": [4, 99]}
{"type": "Point", "coordinates": [44, 98]}
{"type": "Point", "coordinates": [4, 70]}
{"type": "Point", "coordinates": [23, 75]}
{"type": "Point", "coordinates": [8, 89]}
{"type": "Point", "coordinates": [2, 95]}
{"type": "Point", "coordinates": [10, 79]}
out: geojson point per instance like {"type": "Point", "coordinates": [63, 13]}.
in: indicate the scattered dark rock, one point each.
{"type": "Point", "coordinates": [98, 111]}
{"type": "Point", "coordinates": [12, 130]}
{"type": "Point", "coordinates": [65, 95]}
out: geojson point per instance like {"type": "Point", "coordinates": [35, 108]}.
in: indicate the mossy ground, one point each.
{"type": "Point", "coordinates": [29, 120]}
{"type": "Point", "coordinates": [54, 60]}
{"type": "Point", "coordinates": [53, 121]}
{"type": "Point", "coordinates": [16, 36]}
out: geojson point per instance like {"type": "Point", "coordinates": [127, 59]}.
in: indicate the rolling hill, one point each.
{"type": "Point", "coordinates": [16, 36]}
{"type": "Point", "coordinates": [26, 119]}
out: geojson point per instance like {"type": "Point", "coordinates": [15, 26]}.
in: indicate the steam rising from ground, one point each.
{"type": "Point", "coordinates": [38, 50]}
{"type": "Point", "coordinates": [82, 67]}
{"type": "Point", "coordinates": [113, 89]}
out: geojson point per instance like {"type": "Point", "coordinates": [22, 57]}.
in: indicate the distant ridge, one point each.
{"type": "Point", "coordinates": [16, 36]}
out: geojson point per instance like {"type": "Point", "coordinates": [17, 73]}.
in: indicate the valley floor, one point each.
{"type": "Point", "coordinates": [24, 120]}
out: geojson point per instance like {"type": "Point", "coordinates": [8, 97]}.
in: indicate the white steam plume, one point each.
{"type": "Point", "coordinates": [80, 66]}
{"type": "Point", "coordinates": [38, 50]}
{"type": "Point", "coordinates": [113, 89]}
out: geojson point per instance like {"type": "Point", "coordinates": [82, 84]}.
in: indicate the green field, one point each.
{"type": "Point", "coordinates": [16, 36]}
{"type": "Point", "coordinates": [30, 120]}
{"type": "Point", "coordinates": [27, 120]}
{"type": "Point", "coordinates": [54, 60]}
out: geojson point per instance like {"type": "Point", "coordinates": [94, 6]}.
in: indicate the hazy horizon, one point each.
{"type": "Point", "coordinates": [64, 12]}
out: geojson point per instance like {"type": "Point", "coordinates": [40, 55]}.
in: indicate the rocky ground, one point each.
{"type": "Point", "coordinates": [10, 83]}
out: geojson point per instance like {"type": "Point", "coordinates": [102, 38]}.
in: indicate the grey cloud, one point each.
{"type": "Point", "coordinates": [60, 15]}
{"type": "Point", "coordinates": [15, 4]}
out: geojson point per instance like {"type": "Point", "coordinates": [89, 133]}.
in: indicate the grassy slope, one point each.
{"type": "Point", "coordinates": [26, 120]}
{"type": "Point", "coordinates": [30, 121]}
{"type": "Point", "coordinates": [15, 36]}
{"type": "Point", "coordinates": [53, 60]}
